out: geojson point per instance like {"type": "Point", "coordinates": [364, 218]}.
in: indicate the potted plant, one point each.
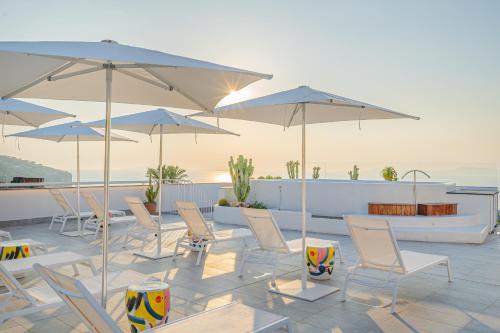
{"type": "Point", "coordinates": [151, 193]}
{"type": "Point", "coordinates": [389, 174]}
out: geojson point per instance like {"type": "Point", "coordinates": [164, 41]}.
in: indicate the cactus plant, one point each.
{"type": "Point", "coordinates": [354, 173]}
{"type": "Point", "coordinates": [241, 170]}
{"type": "Point", "coordinates": [292, 167]}
{"type": "Point", "coordinates": [316, 172]}
{"type": "Point", "coordinates": [389, 174]}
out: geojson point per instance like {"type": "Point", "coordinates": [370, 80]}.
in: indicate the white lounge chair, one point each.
{"type": "Point", "coordinates": [234, 318]}
{"type": "Point", "coordinates": [5, 235]}
{"type": "Point", "coordinates": [41, 298]}
{"type": "Point", "coordinates": [146, 224]}
{"type": "Point", "coordinates": [271, 243]}
{"type": "Point", "coordinates": [34, 245]}
{"type": "Point", "coordinates": [94, 223]}
{"type": "Point", "coordinates": [202, 231]}
{"type": "Point", "coordinates": [68, 212]}
{"type": "Point", "coordinates": [55, 259]}
{"type": "Point", "coordinates": [378, 250]}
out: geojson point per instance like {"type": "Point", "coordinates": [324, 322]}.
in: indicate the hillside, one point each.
{"type": "Point", "coordinates": [14, 167]}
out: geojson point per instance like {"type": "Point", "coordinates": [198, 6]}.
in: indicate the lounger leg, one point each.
{"type": "Point", "coordinates": [200, 254]}
{"type": "Point", "coordinates": [341, 255]}
{"type": "Point", "coordinates": [394, 296]}
{"type": "Point", "coordinates": [244, 257]}
{"type": "Point", "coordinates": [92, 267]}
{"type": "Point", "coordinates": [97, 228]}
{"type": "Point", "coordinates": [176, 248]}
{"type": "Point", "coordinates": [63, 224]}
{"type": "Point", "coordinates": [75, 269]}
{"type": "Point", "coordinates": [344, 290]}
{"type": "Point", "coordinates": [273, 278]}
{"type": "Point", "coordinates": [448, 265]}
{"type": "Point", "coordinates": [52, 222]}
{"type": "Point", "coordinates": [125, 241]}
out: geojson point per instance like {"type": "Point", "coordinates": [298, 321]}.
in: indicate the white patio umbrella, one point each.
{"type": "Point", "coordinates": [315, 107]}
{"type": "Point", "coordinates": [71, 132]}
{"type": "Point", "coordinates": [160, 122]}
{"type": "Point", "coordinates": [89, 71]}
{"type": "Point", "coordinates": [20, 113]}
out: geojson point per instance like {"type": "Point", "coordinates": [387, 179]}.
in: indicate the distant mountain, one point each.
{"type": "Point", "coordinates": [11, 167]}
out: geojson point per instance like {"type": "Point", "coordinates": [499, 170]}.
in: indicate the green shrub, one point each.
{"type": "Point", "coordinates": [223, 202]}
{"type": "Point", "coordinates": [257, 205]}
{"type": "Point", "coordinates": [316, 172]}
{"type": "Point", "coordinates": [269, 177]}
{"type": "Point", "coordinates": [389, 174]}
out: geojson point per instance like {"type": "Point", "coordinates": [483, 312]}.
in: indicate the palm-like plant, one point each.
{"type": "Point", "coordinates": [169, 174]}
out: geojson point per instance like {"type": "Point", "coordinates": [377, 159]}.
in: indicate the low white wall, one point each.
{"type": "Point", "coordinates": [287, 220]}
{"type": "Point", "coordinates": [336, 197]}
{"type": "Point", "coordinates": [26, 204]}
{"type": "Point", "coordinates": [485, 206]}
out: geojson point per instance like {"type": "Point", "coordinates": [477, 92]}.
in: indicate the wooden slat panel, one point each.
{"type": "Point", "coordinates": [391, 209]}
{"type": "Point", "coordinates": [437, 209]}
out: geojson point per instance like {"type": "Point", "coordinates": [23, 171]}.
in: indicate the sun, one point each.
{"type": "Point", "coordinates": [223, 178]}
{"type": "Point", "coordinates": [236, 96]}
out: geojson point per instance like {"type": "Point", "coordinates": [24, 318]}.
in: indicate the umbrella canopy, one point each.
{"type": "Point", "coordinates": [19, 113]}
{"type": "Point", "coordinates": [281, 108]}
{"type": "Point", "coordinates": [160, 122]}
{"type": "Point", "coordinates": [315, 106]}
{"type": "Point", "coordinates": [141, 76]}
{"type": "Point", "coordinates": [111, 72]}
{"type": "Point", "coordinates": [69, 132]}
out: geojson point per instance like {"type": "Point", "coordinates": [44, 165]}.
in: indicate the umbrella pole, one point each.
{"type": "Point", "coordinates": [302, 289]}
{"type": "Point", "coordinates": [104, 291]}
{"type": "Point", "coordinates": [160, 179]}
{"type": "Point", "coordinates": [158, 254]}
{"type": "Point", "coordinates": [303, 199]}
{"type": "Point", "coordinates": [78, 184]}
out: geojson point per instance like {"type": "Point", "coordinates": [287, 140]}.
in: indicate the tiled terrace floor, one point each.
{"type": "Point", "coordinates": [426, 302]}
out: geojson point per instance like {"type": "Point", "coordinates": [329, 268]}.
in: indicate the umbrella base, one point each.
{"type": "Point", "coordinates": [311, 293]}
{"type": "Point", "coordinates": [77, 233]}
{"type": "Point", "coordinates": [154, 255]}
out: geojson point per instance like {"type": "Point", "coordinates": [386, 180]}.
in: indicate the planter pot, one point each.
{"type": "Point", "coordinates": [151, 207]}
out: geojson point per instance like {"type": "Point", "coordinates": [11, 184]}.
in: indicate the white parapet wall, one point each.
{"type": "Point", "coordinates": [329, 200]}
{"type": "Point", "coordinates": [37, 204]}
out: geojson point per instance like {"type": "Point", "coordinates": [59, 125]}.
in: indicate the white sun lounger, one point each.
{"type": "Point", "coordinates": [34, 245]}
{"type": "Point", "coordinates": [95, 222]}
{"type": "Point", "coordinates": [147, 224]}
{"type": "Point", "coordinates": [202, 231]}
{"type": "Point", "coordinates": [41, 298]}
{"type": "Point", "coordinates": [232, 318]}
{"type": "Point", "coordinates": [69, 212]}
{"type": "Point", "coordinates": [5, 235]}
{"type": "Point", "coordinates": [271, 243]}
{"type": "Point", "coordinates": [378, 250]}
{"type": "Point", "coordinates": [54, 259]}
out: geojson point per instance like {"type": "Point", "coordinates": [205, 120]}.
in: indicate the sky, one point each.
{"type": "Point", "coordinates": [438, 60]}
